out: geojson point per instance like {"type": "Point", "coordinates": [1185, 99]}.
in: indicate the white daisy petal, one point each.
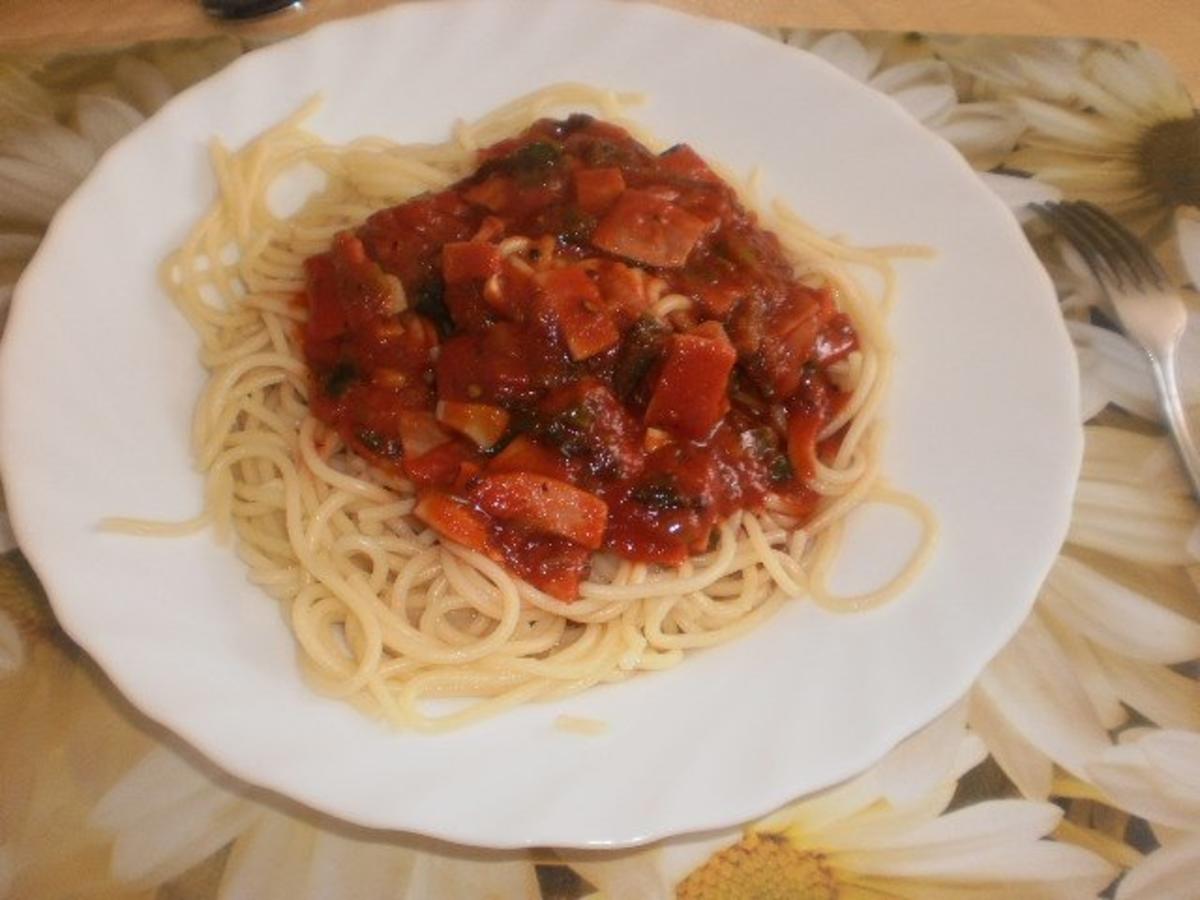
{"type": "Point", "coordinates": [928, 103]}
{"type": "Point", "coordinates": [105, 120]}
{"type": "Point", "coordinates": [1027, 767]}
{"type": "Point", "coordinates": [1149, 539]}
{"type": "Point", "coordinates": [984, 131]}
{"type": "Point", "coordinates": [822, 811]}
{"type": "Point", "coordinates": [1088, 669]}
{"type": "Point", "coordinates": [1096, 98]}
{"type": "Point", "coordinates": [144, 83]}
{"type": "Point", "coordinates": [979, 826]}
{"type": "Point", "coordinates": [184, 66]}
{"type": "Point", "coordinates": [1031, 680]}
{"type": "Point", "coordinates": [448, 876]}
{"type": "Point", "coordinates": [269, 861]}
{"type": "Point", "coordinates": [1161, 695]}
{"type": "Point", "coordinates": [1070, 127]}
{"type": "Point", "coordinates": [166, 846]}
{"type": "Point", "coordinates": [917, 73]}
{"type": "Point", "coordinates": [12, 648]}
{"type": "Point", "coordinates": [22, 99]}
{"type": "Point", "coordinates": [1117, 454]}
{"type": "Point", "coordinates": [675, 859]}
{"type": "Point", "coordinates": [1187, 241]}
{"type": "Point", "coordinates": [14, 245]}
{"type": "Point", "coordinates": [354, 869]}
{"type": "Point", "coordinates": [925, 760]}
{"type": "Point", "coordinates": [636, 873]}
{"type": "Point", "coordinates": [1118, 618]}
{"type": "Point", "coordinates": [1121, 366]}
{"type": "Point", "coordinates": [880, 825]}
{"type": "Point", "coordinates": [1138, 77]}
{"type": "Point", "coordinates": [1176, 754]}
{"type": "Point", "coordinates": [155, 784]}
{"type": "Point", "coordinates": [1166, 874]}
{"type": "Point", "coordinates": [847, 53]}
{"type": "Point", "coordinates": [52, 145]}
{"type": "Point", "coordinates": [32, 193]}
{"type": "Point", "coordinates": [1093, 392]}
{"type": "Point", "coordinates": [999, 862]}
{"type": "Point", "coordinates": [165, 816]}
{"type": "Point", "coordinates": [1138, 785]}
{"type": "Point", "coordinates": [1018, 192]}
{"type": "Point", "coordinates": [8, 540]}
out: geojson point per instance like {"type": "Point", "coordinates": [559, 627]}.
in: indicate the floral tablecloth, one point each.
{"type": "Point", "coordinates": [1071, 770]}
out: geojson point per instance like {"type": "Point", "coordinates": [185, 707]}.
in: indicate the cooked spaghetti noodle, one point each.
{"type": "Point", "coordinates": [385, 612]}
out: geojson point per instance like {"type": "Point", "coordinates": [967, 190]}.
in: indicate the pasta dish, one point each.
{"type": "Point", "coordinates": [527, 411]}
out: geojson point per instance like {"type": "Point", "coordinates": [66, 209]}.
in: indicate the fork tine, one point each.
{"type": "Point", "coordinates": [1134, 250]}
{"type": "Point", "coordinates": [1067, 228]}
{"type": "Point", "coordinates": [1110, 248]}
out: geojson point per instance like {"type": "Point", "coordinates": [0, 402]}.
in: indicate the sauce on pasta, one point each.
{"type": "Point", "coordinates": [581, 346]}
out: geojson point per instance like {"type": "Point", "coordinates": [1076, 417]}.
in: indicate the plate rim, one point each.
{"type": "Point", "coordinates": [39, 556]}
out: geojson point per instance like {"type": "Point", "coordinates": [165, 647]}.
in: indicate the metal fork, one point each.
{"type": "Point", "coordinates": [1148, 308]}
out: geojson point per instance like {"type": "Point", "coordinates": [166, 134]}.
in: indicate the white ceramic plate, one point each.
{"type": "Point", "coordinates": [99, 376]}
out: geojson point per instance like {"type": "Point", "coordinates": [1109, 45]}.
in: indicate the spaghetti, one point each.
{"type": "Point", "coordinates": [386, 612]}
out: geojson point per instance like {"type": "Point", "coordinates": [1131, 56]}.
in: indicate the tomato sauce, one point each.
{"type": "Point", "coordinates": [495, 344]}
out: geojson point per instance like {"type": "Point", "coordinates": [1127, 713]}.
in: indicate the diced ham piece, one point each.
{"type": "Point", "coordinates": [596, 189]}
{"type": "Point", "coordinates": [544, 504]}
{"type": "Point", "coordinates": [647, 228]}
{"type": "Point", "coordinates": [469, 260]}
{"type": "Point", "coordinates": [691, 394]}
{"type": "Point", "coordinates": [481, 422]}
{"type": "Point", "coordinates": [453, 519]}
{"type": "Point", "coordinates": [574, 303]}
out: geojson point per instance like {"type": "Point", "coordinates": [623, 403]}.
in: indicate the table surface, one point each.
{"type": "Point", "coordinates": [1171, 26]}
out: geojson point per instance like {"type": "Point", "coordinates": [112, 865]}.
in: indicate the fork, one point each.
{"type": "Point", "coordinates": [1148, 309]}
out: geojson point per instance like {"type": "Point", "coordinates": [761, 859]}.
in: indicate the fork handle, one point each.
{"type": "Point", "coordinates": [1171, 400]}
